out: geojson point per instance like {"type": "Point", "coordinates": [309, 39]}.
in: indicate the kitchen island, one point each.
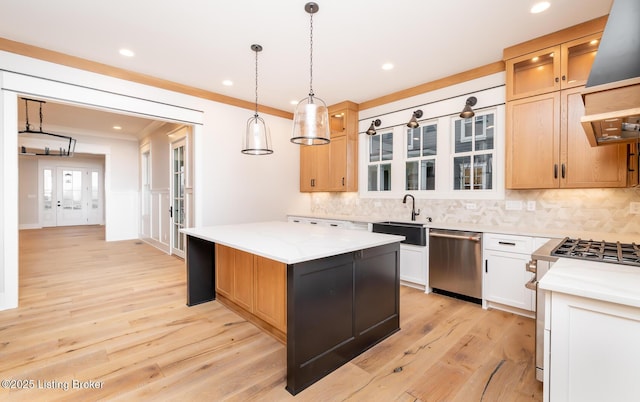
{"type": "Point", "coordinates": [339, 287]}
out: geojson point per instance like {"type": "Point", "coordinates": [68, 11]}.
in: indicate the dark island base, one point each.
{"type": "Point", "coordinates": [337, 307]}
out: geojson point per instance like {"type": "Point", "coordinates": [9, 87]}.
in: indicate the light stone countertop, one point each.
{"type": "Point", "coordinates": [610, 282]}
{"type": "Point", "coordinates": [534, 232]}
{"type": "Point", "coordinates": [291, 243]}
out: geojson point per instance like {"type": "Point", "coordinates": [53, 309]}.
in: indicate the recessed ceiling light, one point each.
{"type": "Point", "coordinates": [539, 7]}
{"type": "Point", "coordinates": [294, 102]}
{"type": "Point", "coordinates": [387, 66]}
{"type": "Point", "coordinates": [117, 127]}
{"type": "Point", "coordinates": [227, 83]}
{"type": "Point", "coordinates": [127, 52]}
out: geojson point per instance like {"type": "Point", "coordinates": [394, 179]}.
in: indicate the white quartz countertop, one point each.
{"type": "Point", "coordinates": [291, 243]}
{"type": "Point", "coordinates": [615, 283]}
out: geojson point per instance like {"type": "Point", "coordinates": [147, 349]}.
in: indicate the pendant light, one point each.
{"type": "Point", "coordinates": [311, 118]}
{"type": "Point", "coordinates": [257, 139]}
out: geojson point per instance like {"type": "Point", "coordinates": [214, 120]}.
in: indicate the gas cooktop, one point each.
{"type": "Point", "coordinates": [600, 251]}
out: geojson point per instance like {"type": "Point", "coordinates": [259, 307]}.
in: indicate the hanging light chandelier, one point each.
{"type": "Point", "coordinates": [257, 138]}
{"type": "Point", "coordinates": [311, 117]}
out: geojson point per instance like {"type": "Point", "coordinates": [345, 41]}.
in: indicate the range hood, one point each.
{"type": "Point", "coordinates": [612, 92]}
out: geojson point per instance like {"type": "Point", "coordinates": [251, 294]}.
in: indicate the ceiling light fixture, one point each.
{"type": "Point", "coordinates": [227, 83]}
{"type": "Point", "coordinates": [372, 127]}
{"type": "Point", "coordinates": [257, 139]}
{"type": "Point", "coordinates": [387, 66]}
{"type": "Point", "coordinates": [539, 7]}
{"type": "Point", "coordinates": [311, 117]}
{"type": "Point", "coordinates": [69, 142]}
{"type": "Point", "coordinates": [413, 122]}
{"type": "Point", "coordinates": [126, 53]}
{"type": "Point", "coordinates": [467, 112]}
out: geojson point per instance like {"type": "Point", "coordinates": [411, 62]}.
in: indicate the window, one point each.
{"type": "Point", "coordinates": [380, 158]}
{"type": "Point", "coordinates": [473, 152]}
{"type": "Point", "coordinates": [422, 149]}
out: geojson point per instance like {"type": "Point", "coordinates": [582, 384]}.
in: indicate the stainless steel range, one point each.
{"type": "Point", "coordinates": [590, 250]}
{"type": "Point", "coordinates": [599, 251]}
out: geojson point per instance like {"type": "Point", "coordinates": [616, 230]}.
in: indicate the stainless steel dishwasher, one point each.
{"type": "Point", "coordinates": [455, 263]}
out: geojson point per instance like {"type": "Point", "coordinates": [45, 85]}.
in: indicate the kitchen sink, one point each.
{"type": "Point", "coordinates": [414, 233]}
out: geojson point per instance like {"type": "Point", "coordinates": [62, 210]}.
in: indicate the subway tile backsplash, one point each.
{"type": "Point", "coordinates": [599, 210]}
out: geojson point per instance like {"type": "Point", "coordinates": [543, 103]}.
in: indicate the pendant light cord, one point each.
{"type": "Point", "coordinates": [256, 114]}
{"type": "Point", "coordinates": [311, 57]}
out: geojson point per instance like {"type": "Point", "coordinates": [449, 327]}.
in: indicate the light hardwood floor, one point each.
{"type": "Point", "coordinates": [115, 313]}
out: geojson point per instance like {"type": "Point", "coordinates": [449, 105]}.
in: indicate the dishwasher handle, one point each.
{"type": "Point", "coordinates": [455, 236]}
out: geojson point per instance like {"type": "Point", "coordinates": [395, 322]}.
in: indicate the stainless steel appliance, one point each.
{"type": "Point", "coordinates": [455, 263]}
{"type": "Point", "coordinates": [608, 252]}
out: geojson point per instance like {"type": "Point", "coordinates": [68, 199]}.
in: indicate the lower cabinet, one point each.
{"type": "Point", "coordinates": [414, 270]}
{"type": "Point", "coordinates": [254, 284]}
{"type": "Point", "coordinates": [593, 348]}
{"type": "Point", "coordinates": [505, 275]}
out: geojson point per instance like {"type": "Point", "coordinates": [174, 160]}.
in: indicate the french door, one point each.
{"type": "Point", "coordinates": [71, 196]}
{"type": "Point", "coordinates": [178, 205]}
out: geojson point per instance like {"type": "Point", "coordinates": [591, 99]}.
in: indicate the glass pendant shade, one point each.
{"type": "Point", "coordinates": [257, 139]}
{"type": "Point", "coordinates": [311, 122]}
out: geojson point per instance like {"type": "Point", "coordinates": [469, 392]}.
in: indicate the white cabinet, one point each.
{"type": "Point", "coordinates": [414, 270]}
{"type": "Point", "coordinates": [593, 350]}
{"type": "Point", "coordinates": [505, 275]}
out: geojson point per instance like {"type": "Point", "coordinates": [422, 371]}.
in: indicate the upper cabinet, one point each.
{"type": "Point", "coordinates": [546, 146]}
{"type": "Point", "coordinates": [564, 66]}
{"type": "Point", "coordinates": [333, 167]}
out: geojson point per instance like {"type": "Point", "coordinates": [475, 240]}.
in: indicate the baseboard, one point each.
{"type": "Point", "coordinates": [24, 226]}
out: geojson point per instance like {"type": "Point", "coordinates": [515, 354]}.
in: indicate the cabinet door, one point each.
{"type": "Point", "coordinates": [338, 122]}
{"type": "Point", "coordinates": [532, 142]}
{"type": "Point", "coordinates": [582, 165]}
{"type": "Point", "coordinates": [271, 292]}
{"type": "Point", "coordinates": [533, 74]}
{"type": "Point", "coordinates": [338, 164]}
{"type": "Point", "coordinates": [224, 270]}
{"type": "Point", "coordinates": [243, 279]}
{"type": "Point", "coordinates": [413, 264]}
{"type": "Point", "coordinates": [505, 279]}
{"type": "Point", "coordinates": [577, 58]}
{"type": "Point", "coordinates": [314, 167]}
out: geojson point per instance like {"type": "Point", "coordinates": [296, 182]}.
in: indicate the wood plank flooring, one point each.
{"type": "Point", "coordinates": [114, 314]}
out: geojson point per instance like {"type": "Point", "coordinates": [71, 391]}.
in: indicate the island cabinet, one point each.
{"type": "Point", "coordinates": [254, 287]}
{"type": "Point", "coordinates": [546, 146]}
{"type": "Point", "coordinates": [334, 166]}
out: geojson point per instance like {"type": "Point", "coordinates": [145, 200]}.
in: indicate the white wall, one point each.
{"type": "Point", "coordinates": [228, 186]}
{"type": "Point", "coordinates": [28, 192]}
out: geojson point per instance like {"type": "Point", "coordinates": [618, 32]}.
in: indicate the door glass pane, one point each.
{"type": "Point", "coordinates": [462, 173]}
{"type": "Point", "coordinates": [374, 148]}
{"type": "Point", "coordinates": [94, 190]}
{"type": "Point", "coordinates": [428, 174]}
{"type": "Point", "coordinates": [463, 135]}
{"type": "Point", "coordinates": [372, 178]}
{"type": "Point", "coordinates": [484, 132]}
{"type": "Point", "coordinates": [47, 190]}
{"type": "Point", "coordinates": [385, 177]}
{"type": "Point", "coordinates": [412, 175]}
{"type": "Point", "coordinates": [72, 189]}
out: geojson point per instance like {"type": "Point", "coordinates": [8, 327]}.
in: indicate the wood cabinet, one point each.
{"type": "Point", "coordinates": [546, 146]}
{"type": "Point", "coordinates": [334, 166]}
{"type": "Point", "coordinates": [255, 285]}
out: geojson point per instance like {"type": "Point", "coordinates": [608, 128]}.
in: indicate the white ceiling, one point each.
{"type": "Point", "coordinates": [203, 42]}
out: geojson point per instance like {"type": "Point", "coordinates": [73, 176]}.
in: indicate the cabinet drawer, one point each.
{"type": "Point", "coordinates": [508, 243]}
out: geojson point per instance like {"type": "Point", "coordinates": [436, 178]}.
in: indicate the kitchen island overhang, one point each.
{"type": "Point", "coordinates": [342, 287]}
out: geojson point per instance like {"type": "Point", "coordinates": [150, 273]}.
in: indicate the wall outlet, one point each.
{"type": "Point", "coordinates": [471, 205]}
{"type": "Point", "coordinates": [634, 208]}
{"type": "Point", "coordinates": [531, 205]}
{"type": "Point", "coordinates": [512, 205]}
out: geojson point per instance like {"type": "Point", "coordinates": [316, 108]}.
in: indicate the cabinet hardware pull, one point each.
{"type": "Point", "coordinates": [486, 266]}
{"type": "Point", "coordinates": [563, 170]}
{"type": "Point", "coordinates": [555, 170]}
{"type": "Point", "coordinates": [313, 182]}
{"type": "Point", "coordinates": [531, 285]}
{"type": "Point", "coordinates": [557, 79]}
{"type": "Point", "coordinates": [564, 78]}
{"type": "Point", "coordinates": [343, 181]}
{"type": "Point", "coordinates": [506, 243]}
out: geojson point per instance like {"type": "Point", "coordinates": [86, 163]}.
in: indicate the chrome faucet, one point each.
{"type": "Point", "coordinates": [413, 206]}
